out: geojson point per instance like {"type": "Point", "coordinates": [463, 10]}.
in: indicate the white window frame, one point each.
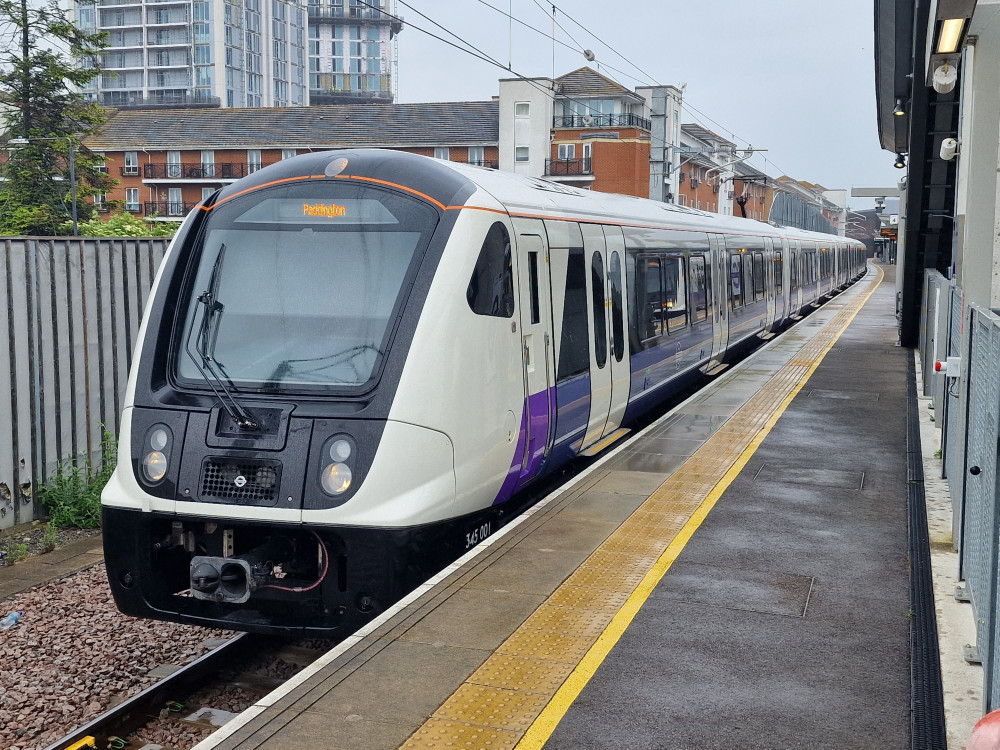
{"type": "Point", "coordinates": [174, 164]}
{"type": "Point", "coordinates": [175, 202]}
{"type": "Point", "coordinates": [207, 163]}
{"type": "Point", "coordinates": [442, 152]}
{"type": "Point", "coordinates": [566, 151]}
{"type": "Point", "coordinates": [132, 199]}
{"type": "Point", "coordinates": [522, 109]}
{"type": "Point", "coordinates": [477, 156]}
{"type": "Point", "coordinates": [253, 160]}
{"type": "Point", "coordinates": [131, 165]}
{"type": "Point", "coordinates": [521, 155]}
{"type": "Point", "coordinates": [288, 153]}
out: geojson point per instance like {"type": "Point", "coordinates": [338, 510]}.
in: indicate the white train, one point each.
{"type": "Point", "coordinates": [352, 361]}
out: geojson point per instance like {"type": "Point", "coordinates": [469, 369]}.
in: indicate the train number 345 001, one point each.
{"type": "Point", "coordinates": [477, 535]}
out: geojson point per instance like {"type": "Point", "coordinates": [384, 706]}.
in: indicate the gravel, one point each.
{"type": "Point", "coordinates": [73, 655]}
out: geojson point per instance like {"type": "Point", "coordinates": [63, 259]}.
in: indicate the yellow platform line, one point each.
{"type": "Point", "coordinates": [521, 693]}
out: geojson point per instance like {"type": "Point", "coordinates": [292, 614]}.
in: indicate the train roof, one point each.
{"type": "Point", "coordinates": [530, 196]}
{"type": "Point", "coordinates": [451, 183]}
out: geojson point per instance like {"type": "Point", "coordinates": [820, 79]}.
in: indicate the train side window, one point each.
{"type": "Point", "coordinates": [533, 285]}
{"type": "Point", "coordinates": [674, 295]}
{"type": "Point", "coordinates": [617, 313]}
{"type": "Point", "coordinates": [699, 289]}
{"type": "Point", "coordinates": [491, 288]}
{"type": "Point", "coordinates": [758, 275]}
{"type": "Point", "coordinates": [600, 314]}
{"type": "Point", "coordinates": [736, 280]}
{"type": "Point", "coordinates": [778, 271]}
{"type": "Point", "coordinates": [574, 352]}
{"type": "Point", "coordinates": [649, 293]}
{"type": "Point", "coordinates": [793, 270]}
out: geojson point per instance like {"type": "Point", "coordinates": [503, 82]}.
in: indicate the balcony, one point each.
{"type": "Point", "coordinates": [196, 171]}
{"type": "Point", "coordinates": [568, 167]}
{"type": "Point", "coordinates": [175, 209]}
{"type": "Point", "coordinates": [340, 14]}
{"type": "Point", "coordinates": [601, 121]}
{"type": "Point", "coordinates": [161, 100]}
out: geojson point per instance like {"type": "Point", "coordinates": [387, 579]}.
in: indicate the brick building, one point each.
{"type": "Point", "coordinates": [582, 129]}
{"type": "Point", "coordinates": [167, 161]}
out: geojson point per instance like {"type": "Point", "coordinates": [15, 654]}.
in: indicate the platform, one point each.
{"type": "Point", "coordinates": [735, 577]}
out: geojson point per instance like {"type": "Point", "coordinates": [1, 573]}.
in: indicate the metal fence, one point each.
{"type": "Point", "coordinates": [955, 399]}
{"type": "Point", "coordinates": [980, 535]}
{"type": "Point", "coordinates": [934, 334]}
{"type": "Point", "coordinates": [71, 308]}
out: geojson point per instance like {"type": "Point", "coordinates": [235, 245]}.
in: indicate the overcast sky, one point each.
{"type": "Point", "coordinates": [793, 76]}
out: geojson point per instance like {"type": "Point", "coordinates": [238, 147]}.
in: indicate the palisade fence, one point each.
{"type": "Point", "coordinates": [71, 307]}
{"type": "Point", "coordinates": [968, 410]}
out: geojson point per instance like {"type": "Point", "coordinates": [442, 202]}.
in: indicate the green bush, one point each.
{"type": "Point", "coordinates": [12, 552]}
{"type": "Point", "coordinates": [125, 224]}
{"type": "Point", "coordinates": [72, 495]}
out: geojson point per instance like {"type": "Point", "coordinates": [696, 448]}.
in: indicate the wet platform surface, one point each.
{"type": "Point", "coordinates": [736, 577]}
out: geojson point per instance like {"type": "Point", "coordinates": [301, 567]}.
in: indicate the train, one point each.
{"type": "Point", "coordinates": [354, 364]}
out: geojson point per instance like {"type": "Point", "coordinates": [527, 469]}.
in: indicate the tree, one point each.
{"type": "Point", "coordinates": [44, 60]}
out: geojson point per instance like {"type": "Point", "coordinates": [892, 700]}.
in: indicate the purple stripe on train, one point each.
{"type": "Point", "coordinates": [523, 468]}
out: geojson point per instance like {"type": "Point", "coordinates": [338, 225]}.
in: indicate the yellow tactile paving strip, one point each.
{"type": "Point", "coordinates": [519, 695]}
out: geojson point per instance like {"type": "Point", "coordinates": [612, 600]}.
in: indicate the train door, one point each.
{"type": "Point", "coordinates": [780, 282]}
{"type": "Point", "coordinates": [718, 263]}
{"type": "Point", "coordinates": [617, 309]}
{"type": "Point", "coordinates": [794, 278]}
{"type": "Point", "coordinates": [595, 253]}
{"type": "Point", "coordinates": [770, 287]}
{"type": "Point", "coordinates": [536, 344]}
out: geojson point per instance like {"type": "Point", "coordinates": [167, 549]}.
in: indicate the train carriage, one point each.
{"type": "Point", "coordinates": [352, 363]}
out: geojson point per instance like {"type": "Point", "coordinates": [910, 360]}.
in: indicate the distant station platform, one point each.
{"type": "Point", "coordinates": [736, 576]}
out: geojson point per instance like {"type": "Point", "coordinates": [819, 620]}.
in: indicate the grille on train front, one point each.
{"type": "Point", "coordinates": [240, 481]}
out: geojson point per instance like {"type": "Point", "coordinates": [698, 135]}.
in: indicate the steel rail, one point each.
{"type": "Point", "coordinates": [138, 710]}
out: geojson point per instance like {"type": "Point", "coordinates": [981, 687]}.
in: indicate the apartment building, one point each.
{"type": "Point", "coordinates": [753, 192]}
{"type": "Point", "coordinates": [352, 52]}
{"type": "Point", "coordinates": [581, 129]}
{"type": "Point", "coordinates": [167, 161]}
{"type": "Point", "coordinates": [198, 53]}
{"type": "Point", "coordinates": [705, 170]}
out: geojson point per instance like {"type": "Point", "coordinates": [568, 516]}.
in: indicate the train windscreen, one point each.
{"type": "Point", "coordinates": [295, 287]}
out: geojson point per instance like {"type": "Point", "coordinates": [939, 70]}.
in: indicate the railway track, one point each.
{"type": "Point", "coordinates": [168, 699]}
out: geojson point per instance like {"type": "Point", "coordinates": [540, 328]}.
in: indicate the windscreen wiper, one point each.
{"type": "Point", "coordinates": [207, 335]}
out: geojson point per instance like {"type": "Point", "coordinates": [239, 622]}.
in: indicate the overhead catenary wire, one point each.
{"type": "Point", "coordinates": [513, 19]}
{"type": "Point", "coordinates": [474, 51]}
{"type": "Point", "coordinates": [687, 102]}
{"type": "Point", "coordinates": [646, 80]}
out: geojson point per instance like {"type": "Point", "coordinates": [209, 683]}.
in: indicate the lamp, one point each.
{"type": "Point", "coordinates": [900, 162]}
{"type": "Point", "coordinates": [950, 25]}
{"type": "Point", "coordinates": [949, 36]}
{"type": "Point", "coordinates": [899, 111]}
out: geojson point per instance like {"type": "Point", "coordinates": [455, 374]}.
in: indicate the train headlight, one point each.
{"type": "Point", "coordinates": [156, 452]}
{"type": "Point", "coordinates": [336, 479]}
{"type": "Point", "coordinates": [340, 450]}
{"type": "Point", "coordinates": [337, 460]}
{"type": "Point", "coordinates": [154, 466]}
